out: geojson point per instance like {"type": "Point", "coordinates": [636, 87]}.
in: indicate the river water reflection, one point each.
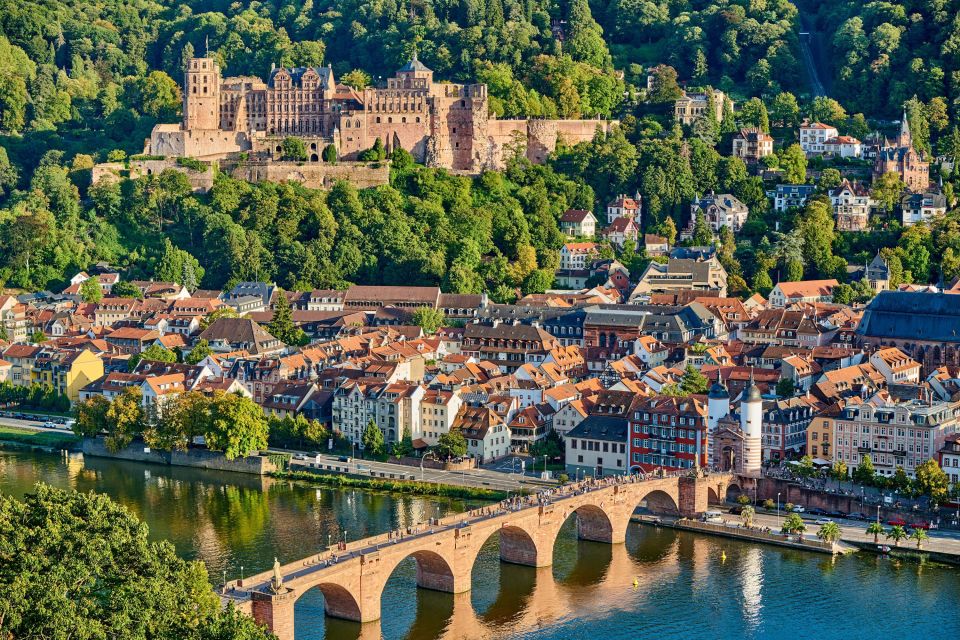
{"type": "Point", "coordinates": [685, 588]}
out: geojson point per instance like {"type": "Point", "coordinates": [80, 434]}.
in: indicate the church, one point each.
{"type": "Point", "coordinates": [441, 124]}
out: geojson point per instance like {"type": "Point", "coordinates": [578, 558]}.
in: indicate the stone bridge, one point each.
{"type": "Point", "coordinates": [445, 550]}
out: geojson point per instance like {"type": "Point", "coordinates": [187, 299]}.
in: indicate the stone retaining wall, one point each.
{"type": "Point", "coordinates": [199, 458]}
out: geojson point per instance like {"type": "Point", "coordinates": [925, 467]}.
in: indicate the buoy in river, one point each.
{"type": "Point", "coordinates": [636, 583]}
{"type": "Point", "coordinates": [723, 556]}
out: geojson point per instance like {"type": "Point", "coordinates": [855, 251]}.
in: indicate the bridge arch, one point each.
{"type": "Point", "coordinates": [660, 502]}
{"type": "Point", "coordinates": [593, 523]}
{"type": "Point", "coordinates": [338, 601]}
{"type": "Point", "coordinates": [434, 571]}
{"type": "Point", "coordinates": [712, 496]}
{"type": "Point", "coordinates": [517, 546]}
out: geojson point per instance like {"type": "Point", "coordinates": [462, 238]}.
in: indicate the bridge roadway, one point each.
{"type": "Point", "coordinates": [352, 576]}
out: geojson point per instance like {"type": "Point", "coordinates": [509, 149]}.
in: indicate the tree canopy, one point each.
{"type": "Point", "coordinates": [79, 565]}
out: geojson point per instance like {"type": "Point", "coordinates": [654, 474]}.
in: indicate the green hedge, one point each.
{"type": "Point", "coordinates": [393, 486]}
{"type": "Point", "coordinates": [192, 164]}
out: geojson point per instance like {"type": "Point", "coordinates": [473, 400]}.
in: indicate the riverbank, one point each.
{"type": "Point", "coordinates": [403, 487]}
{"type": "Point", "coordinates": [907, 553]}
{"type": "Point", "coordinates": [749, 535]}
{"type": "Point", "coordinates": [18, 439]}
{"type": "Point", "coordinates": [197, 458]}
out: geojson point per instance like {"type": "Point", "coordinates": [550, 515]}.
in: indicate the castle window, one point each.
{"type": "Point", "coordinates": [390, 120]}
{"type": "Point", "coordinates": [378, 119]}
{"type": "Point", "coordinates": [194, 88]}
{"type": "Point", "coordinates": [454, 129]}
{"type": "Point", "coordinates": [357, 124]}
{"type": "Point", "coordinates": [404, 120]}
{"type": "Point", "coordinates": [463, 103]}
{"type": "Point", "coordinates": [204, 89]}
{"type": "Point", "coordinates": [348, 124]}
{"type": "Point", "coordinates": [418, 118]}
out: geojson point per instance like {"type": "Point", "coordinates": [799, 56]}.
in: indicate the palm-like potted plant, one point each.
{"type": "Point", "coordinates": [746, 516]}
{"type": "Point", "coordinates": [897, 533]}
{"type": "Point", "coordinates": [919, 535]}
{"type": "Point", "coordinates": [875, 529]}
{"type": "Point", "coordinates": [793, 523]}
{"type": "Point", "coordinates": [829, 532]}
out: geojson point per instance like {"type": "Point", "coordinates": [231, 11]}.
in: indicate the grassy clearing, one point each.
{"type": "Point", "coordinates": [38, 438]}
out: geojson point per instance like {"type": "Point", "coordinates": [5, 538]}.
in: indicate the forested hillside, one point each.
{"type": "Point", "coordinates": [884, 53]}
{"type": "Point", "coordinates": [85, 80]}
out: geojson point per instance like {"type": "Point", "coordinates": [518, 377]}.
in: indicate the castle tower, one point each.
{"type": "Point", "coordinates": [201, 94]}
{"type": "Point", "coordinates": [415, 75]}
{"type": "Point", "coordinates": [751, 421]}
{"type": "Point", "coordinates": [718, 407]}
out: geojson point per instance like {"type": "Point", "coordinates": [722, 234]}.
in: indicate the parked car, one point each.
{"type": "Point", "coordinates": [798, 508]}
{"type": "Point", "coordinates": [856, 515]}
{"type": "Point", "coordinates": [816, 511]}
{"type": "Point", "coordinates": [345, 459]}
{"type": "Point", "coordinates": [921, 524]}
{"type": "Point", "coordinates": [897, 522]}
{"type": "Point", "coordinates": [737, 510]}
{"type": "Point", "coordinates": [836, 514]}
{"type": "Point", "coordinates": [823, 521]}
{"type": "Point", "coordinates": [49, 425]}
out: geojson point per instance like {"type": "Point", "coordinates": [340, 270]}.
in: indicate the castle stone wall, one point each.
{"type": "Point", "coordinates": [313, 175]}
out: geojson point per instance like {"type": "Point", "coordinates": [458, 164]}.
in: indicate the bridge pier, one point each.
{"type": "Point", "coordinates": [694, 496]}
{"type": "Point", "coordinates": [275, 612]}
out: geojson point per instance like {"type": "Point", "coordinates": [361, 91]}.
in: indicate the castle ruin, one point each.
{"type": "Point", "coordinates": [440, 124]}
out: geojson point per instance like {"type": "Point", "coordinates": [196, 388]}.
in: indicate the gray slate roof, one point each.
{"type": "Point", "coordinates": [610, 428]}
{"type": "Point", "coordinates": [912, 315]}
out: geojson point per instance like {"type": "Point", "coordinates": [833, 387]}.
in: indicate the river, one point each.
{"type": "Point", "coordinates": [686, 589]}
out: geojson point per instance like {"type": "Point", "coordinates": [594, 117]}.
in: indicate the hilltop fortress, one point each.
{"type": "Point", "coordinates": [440, 124]}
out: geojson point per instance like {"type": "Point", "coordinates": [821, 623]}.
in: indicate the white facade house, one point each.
{"type": "Point", "coordinates": [814, 136]}
{"type": "Point", "coordinates": [578, 255]}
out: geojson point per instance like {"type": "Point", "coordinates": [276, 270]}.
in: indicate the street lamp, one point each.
{"type": "Point", "coordinates": [224, 580]}
{"type": "Point", "coordinates": [422, 459]}
{"type": "Point", "coordinates": [778, 509]}
{"type": "Point", "coordinates": [878, 514]}
{"type": "Point", "coordinates": [241, 575]}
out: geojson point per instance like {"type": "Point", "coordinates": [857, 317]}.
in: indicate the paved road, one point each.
{"type": "Point", "coordinates": [855, 530]}
{"type": "Point", "coordinates": [479, 478]}
{"type": "Point", "coordinates": [32, 425]}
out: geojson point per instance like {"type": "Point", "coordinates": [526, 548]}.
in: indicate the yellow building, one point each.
{"type": "Point", "coordinates": [66, 371]}
{"type": "Point", "coordinates": [820, 435]}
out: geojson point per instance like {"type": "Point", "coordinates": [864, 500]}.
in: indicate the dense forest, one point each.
{"type": "Point", "coordinates": [85, 81]}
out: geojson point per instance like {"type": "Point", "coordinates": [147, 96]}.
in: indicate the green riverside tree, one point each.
{"type": "Point", "coordinates": [372, 439]}
{"type": "Point", "coordinates": [114, 582]}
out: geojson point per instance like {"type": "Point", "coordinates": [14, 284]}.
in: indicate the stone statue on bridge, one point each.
{"type": "Point", "coordinates": [277, 583]}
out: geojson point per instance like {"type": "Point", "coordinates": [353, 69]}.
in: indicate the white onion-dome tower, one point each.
{"type": "Point", "coordinates": [751, 422]}
{"type": "Point", "coordinates": [718, 407]}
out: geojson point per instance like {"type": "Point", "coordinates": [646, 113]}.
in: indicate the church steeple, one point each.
{"type": "Point", "coordinates": [906, 138]}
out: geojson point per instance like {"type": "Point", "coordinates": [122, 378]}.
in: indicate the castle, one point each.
{"type": "Point", "coordinates": [901, 158]}
{"type": "Point", "coordinates": [440, 124]}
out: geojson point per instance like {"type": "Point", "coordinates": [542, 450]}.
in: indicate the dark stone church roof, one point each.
{"type": "Point", "coordinates": [908, 315]}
